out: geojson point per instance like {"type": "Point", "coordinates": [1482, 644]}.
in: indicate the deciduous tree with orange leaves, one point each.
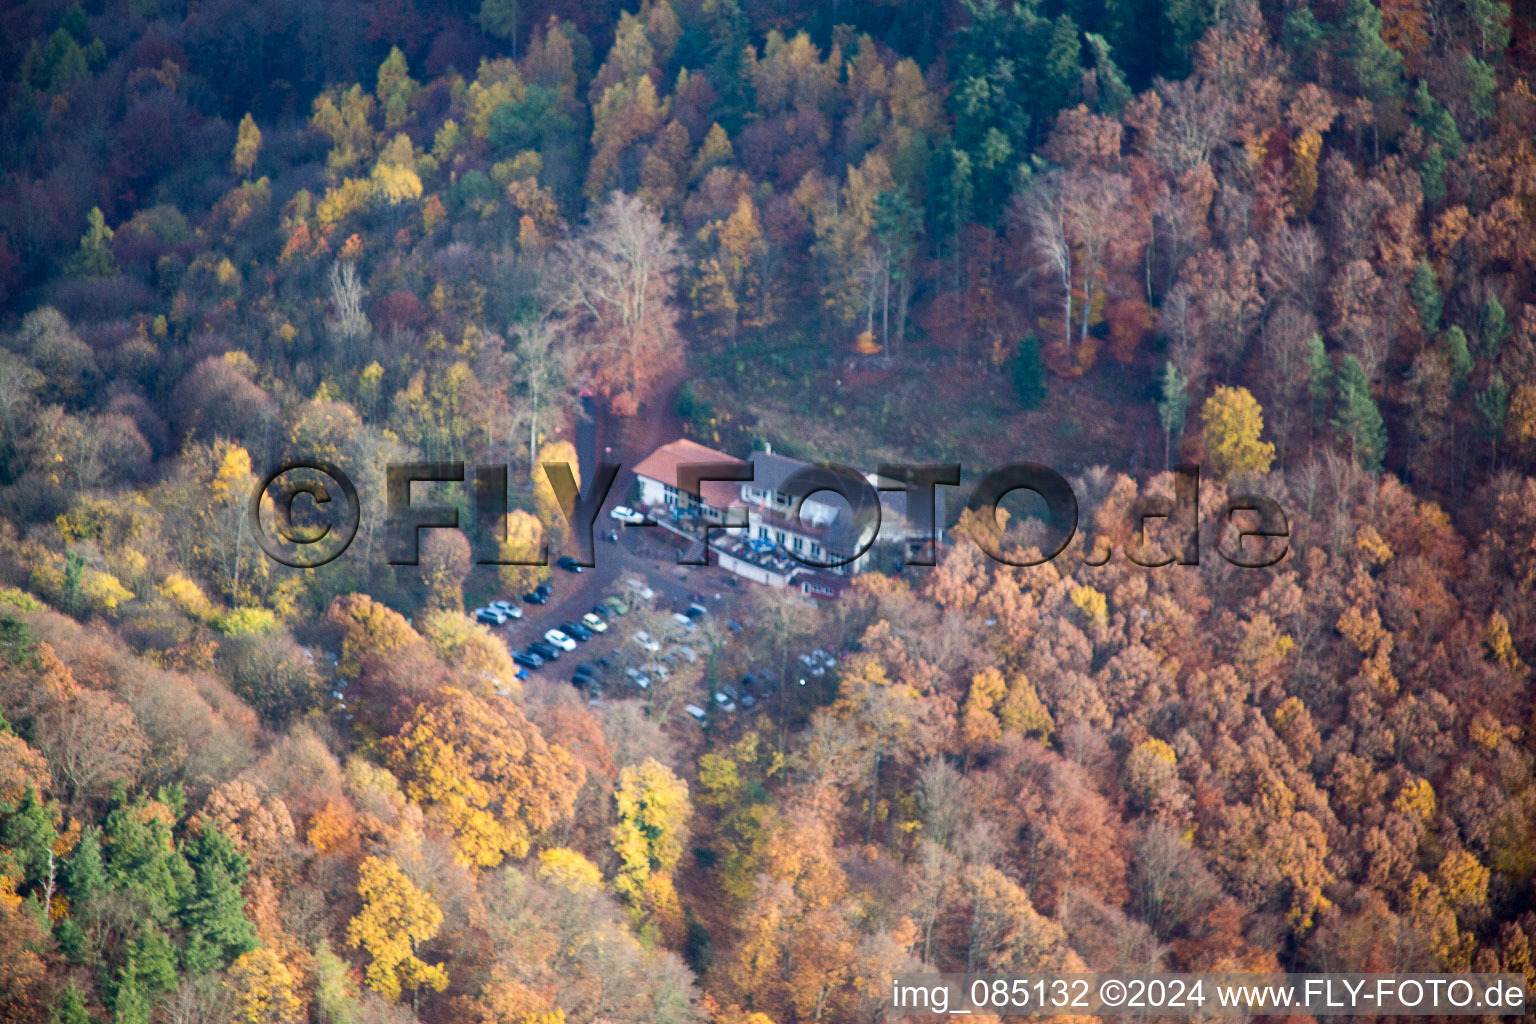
{"type": "Point", "coordinates": [484, 773]}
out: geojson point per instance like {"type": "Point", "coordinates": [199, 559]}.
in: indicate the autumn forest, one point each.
{"type": "Point", "coordinates": [1290, 241]}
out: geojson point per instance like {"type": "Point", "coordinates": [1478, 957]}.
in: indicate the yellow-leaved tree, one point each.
{"type": "Point", "coordinates": [471, 649]}
{"type": "Point", "coordinates": [394, 177]}
{"type": "Point", "coordinates": [483, 773]}
{"type": "Point", "coordinates": [525, 540]}
{"type": "Point", "coordinates": [545, 503]}
{"type": "Point", "coordinates": [1233, 422]}
{"type": "Point", "coordinates": [653, 812]}
{"type": "Point", "coordinates": [265, 989]}
{"type": "Point", "coordinates": [726, 285]}
{"type": "Point", "coordinates": [223, 474]}
{"type": "Point", "coordinates": [397, 917]}
{"type": "Point", "coordinates": [247, 146]}
{"type": "Point", "coordinates": [979, 724]}
{"type": "Point", "coordinates": [566, 867]}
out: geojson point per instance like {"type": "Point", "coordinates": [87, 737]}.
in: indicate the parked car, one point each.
{"type": "Point", "coordinates": [683, 620]}
{"type": "Point", "coordinates": [536, 597]}
{"type": "Point", "coordinates": [625, 514]}
{"type": "Point", "coordinates": [748, 701]}
{"type": "Point", "coordinates": [659, 671]}
{"type": "Point", "coordinates": [489, 616]}
{"type": "Point", "coordinates": [559, 639]}
{"type": "Point", "coordinates": [684, 651]}
{"type": "Point", "coordinates": [696, 712]}
{"type": "Point", "coordinates": [594, 622]}
{"type": "Point", "coordinates": [646, 642]}
{"type": "Point", "coordinates": [545, 587]}
{"type": "Point", "coordinates": [639, 587]}
{"type": "Point", "coordinates": [695, 611]}
{"type": "Point", "coordinates": [576, 630]}
{"type": "Point", "coordinates": [549, 652]}
{"type": "Point", "coordinates": [723, 702]}
{"type": "Point", "coordinates": [570, 564]}
{"type": "Point", "coordinates": [507, 608]}
{"type": "Point", "coordinates": [614, 605]}
{"type": "Point", "coordinates": [527, 659]}
{"type": "Point", "coordinates": [639, 678]}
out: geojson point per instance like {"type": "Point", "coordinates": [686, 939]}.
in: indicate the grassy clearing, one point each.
{"type": "Point", "coordinates": [922, 408]}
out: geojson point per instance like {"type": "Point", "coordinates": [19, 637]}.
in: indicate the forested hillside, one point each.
{"type": "Point", "coordinates": [1292, 242]}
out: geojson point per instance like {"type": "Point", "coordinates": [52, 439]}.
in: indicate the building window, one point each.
{"type": "Point", "coordinates": [797, 543]}
{"type": "Point", "coordinates": [780, 536]}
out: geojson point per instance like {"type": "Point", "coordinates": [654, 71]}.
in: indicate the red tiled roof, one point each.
{"type": "Point", "coordinates": [661, 465]}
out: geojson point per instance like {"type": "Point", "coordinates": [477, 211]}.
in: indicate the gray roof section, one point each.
{"type": "Point", "coordinates": [770, 470]}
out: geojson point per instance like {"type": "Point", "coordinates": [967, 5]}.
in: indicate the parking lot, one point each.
{"type": "Point", "coordinates": [673, 670]}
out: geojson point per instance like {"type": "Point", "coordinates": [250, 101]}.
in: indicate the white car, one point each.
{"type": "Point", "coordinates": [684, 621]}
{"type": "Point", "coordinates": [560, 640]}
{"type": "Point", "coordinates": [625, 514]}
{"type": "Point", "coordinates": [725, 703]}
{"type": "Point", "coordinates": [507, 608]}
{"type": "Point", "coordinates": [639, 587]}
{"type": "Point", "coordinates": [639, 678]}
{"type": "Point", "coordinates": [595, 624]}
{"type": "Point", "coordinates": [689, 653]}
{"type": "Point", "coordinates": [646, 642]}
{"type": "Point", "coordinates": [696, 712]}
{"type": "Point", "coordinates": [659, 671]}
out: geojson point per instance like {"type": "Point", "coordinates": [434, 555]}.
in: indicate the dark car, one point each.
{"type": "Point", "coordinates": [576, 630]}
{"type": "Point", "coordinates": [536, 597]}
{"type": "Point", "coordinates": [526, 659]}
{"type": "Point", "coordinates": [549, 652]}
{"type": "Point", "coordinates": [545, 587]}
{"type": "Point", "coordinates": [570, 564]}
